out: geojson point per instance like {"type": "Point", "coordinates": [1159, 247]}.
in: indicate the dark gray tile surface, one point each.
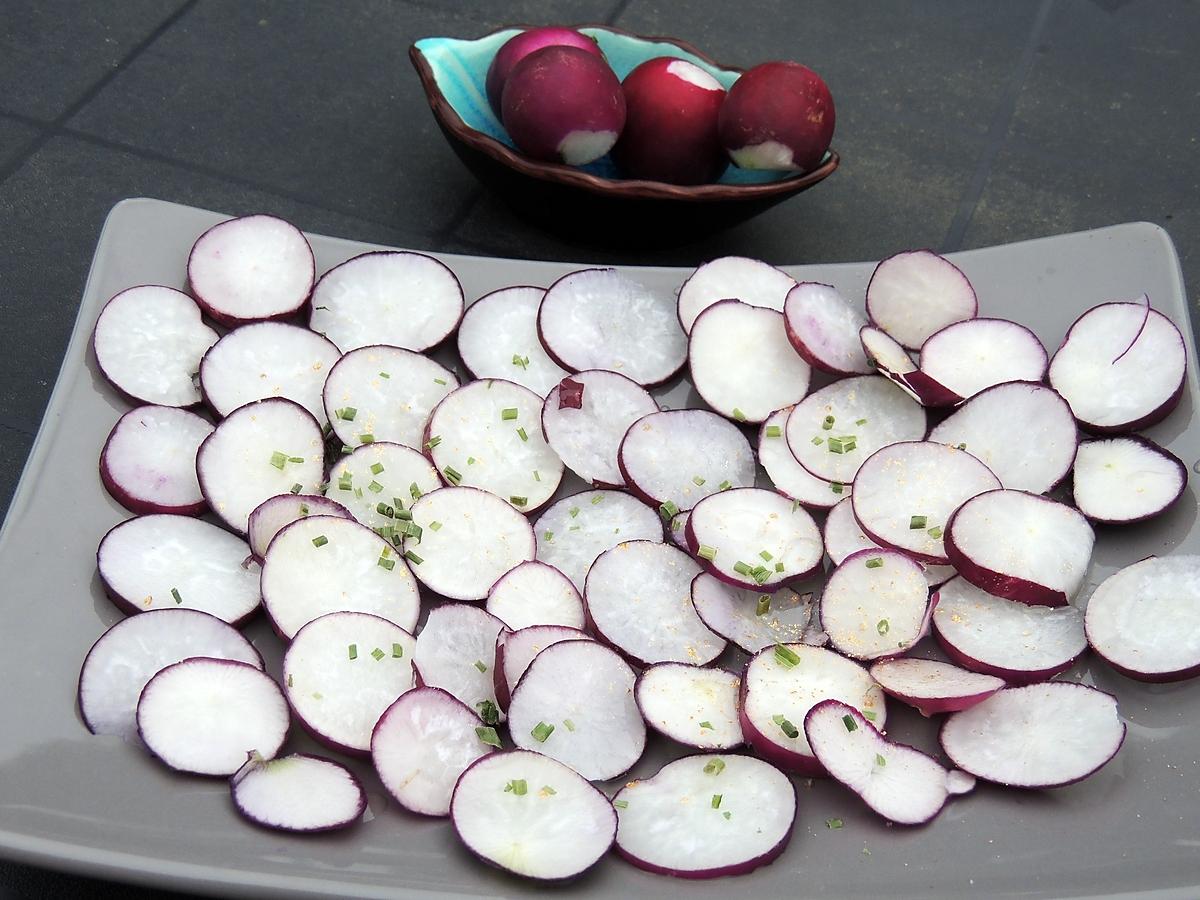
{"type": "Point", "coordinates": [15, 139]}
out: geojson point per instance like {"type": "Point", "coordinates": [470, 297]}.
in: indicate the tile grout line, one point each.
{"type": "Point", "coordinates": [997, 134]}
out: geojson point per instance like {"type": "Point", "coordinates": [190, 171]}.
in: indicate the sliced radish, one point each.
{"type": "Point", "coordinates": [149, 341]}
{"type": "Point", "coordinates": [782, 683]}
{"type": "Point", "coordinates": [900, 783]}
{"type": "Point", "coordinates": [585, 417]}
{"type": "Point", "coordinates": [162, 561]}
{"type": "Point", "coordinates": [677, 530]}
{"type": "Point", "coordinates": [515, 650]}
{"type": "Point", "coordinates": [1040, 736]}
{"type": "Point", "coordinates": [594, 727]}
{"type": "Point", "coordinates": [789, 477]}
{"type": "Point", "coordinates": [706, 816]}
{"type": "Point", "coordinates": [752, 619]}
{"type": "Point", "coordinates": [601, 319]}
{"type": "Point", "coordinates": [1126, 479]}
{"type": "Point", "coordinates": [378, 393]}
{"type": "Point", "coordinates": [824, 329]}
{"type": "Point", "coordinates": [379, 481]}
{"type": "Point", "coordinates": [915, 294]}
{"type": "Point", "coordinates": [498, 339]}
{"type": "Point", "coordinates": [200, 715]}
{"type": "Point", "coordinates": [323, 564]}
{"type": "Point", "coordinates": [342, 671]}
{"type": "Point", "coordinates": [968, 357]}
{"type": "Point", "coordinates": [833, 431]}
{"type": "Point", "coordinates": [893, 363]}
{"type": "Point", "coordinates": [267, 359]}
{"type": "Point", "coordinates": [742, 363]}
{"type": "Point", "coordinates": [465, 539]}
{"type": "Point", "coordinates": [680, 456]}
{"type": "Point", "coordinates": [905, 493]}
{"type": "Point", "coordinates": [487, 434]}
{"type": "Point", "coordinates": [1037, 459]}
{"type": "Point", "coordinates": [754, 538]}
{"type": "Point", "coordinates": [259, 451]}
{"type": "Point", "coordinates": [299, 793]}
{"type": "Point", "coordinates": [422, 744]}
{"type": "Point", "coordinates": [274, 514]}
{"type": "Point", "coordinates": [1121, 367]}
{"type": "Point", "coordinates": [456, 651]}
{"type": "Point", "coordinates": [1020, 546]}
{"type": "Point", "coordinates": [148, 463]}
{"type": "Point", "coordinates": [250, 269]}
{"type": "Point", "coordinates": [934, 687]}
{"type": "Point", "coordinates": [692, 705]}
{"type": "Point", "coordinates": [876, 604]}
{"type": "Point", "coordinates": [843, 536]}
{"type": "Point", "coordinates": [1014, 641]}
{"type": "Point", "coordinates": [529, 815]}
{"type": "Point", "coordinates": [1145, 619]}
{"type": "Point", "coordinates": [732, 277]}
{"type": "Point", "coordinates": [639, 600]}
{"type": "Point", "coordinates": [126, 656]}
{"type": "Point", "coordinates": [391, 297]}
{"type": "Point", "coordinates": [534, 593]}
{"type": "Point", "coordinates": [577, 529]}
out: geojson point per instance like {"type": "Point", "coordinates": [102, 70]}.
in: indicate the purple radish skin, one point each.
{"type": "Point", "coordinates": [148, 463]}
{"type": "Point", "coordinates": [298, 793]}
{"type": "Point", "coordinates": [524, 43]}
{"type": "Point", "coordinates": [778, 115]}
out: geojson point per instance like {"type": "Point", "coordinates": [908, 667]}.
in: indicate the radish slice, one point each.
{"type": "Point", "coordinates": [342, 671]}
{"type": "Point", "coordinates": [1120, 370]}
{"type": "Point", "coordinates": [843, 536]}
{"type": "Point", "coordinates": [824, 329]}
{"type": "Point", "coordinates": [148, 463]}
{"type": "Point", "coordinates": [299, 793]}
{"type": "Point", "coordinates": [1039, 457]}
{"type": "Point", "coordinates": [487, 434]}
{"type": "Point", "coordinates": [273, 515]}
{"type": "Point", "coordinates": [968, 357]}
{"type": "Point", "coordinates": [422, 744]}
{"type": "Point", "coordinates": [1013, 641]}
{"type": "Point", "coordinates": [594, 727]}
{"type": "Point", "coordinates": [498, 339]}
{"type": "Point", "coordinates": [1020, 546]}
{"type": "Point", "coordinates": [732, 277]}
{"type": "Point", "coordinates": [601, 319]}
{"type": "Point", "coordinates": [934, 687]}
{"type": "Point", "coordinates": [876, 604]}
{"type": "Point", "coordinates": [914, 295]}
{"type": "Point", "coordinates": [250, 269]}
{"type": "Point", "coordinates": [585, 417]}
{"type": "Point", "coordinates": [577, 529]}
{"type": "Point", "coordinates": [149, 341]}
{"type": "Point", "coordinates": [782, 683]}
{"type": "Point", "coordinates": [1040, 736]}
{"type": "Point", "coordinates": [515, 650]}
{"type": "Point", "coordinates": [681, 456]}
{"type": "Point", "coordinates": [677, 530]}
{"type": "Point", "coordinates": [267, 359]}
{"type": "Point", "coordinates": [466, 540]}
{"type": "Point", "coordinates": [899, 782]}
{"type": "Point", "coordinates": [534, 593]}
{"type": "Point", "coordinates": [1126, 479]}
{"type": "Point", "coordinates": [385, 394]}
{"type": "Point", "coordinates": [379, 481]}
{"type": "Point", "coordinates": [1145, 619]}
{"type": "Point", "coordinates": [126, 656]}
{"type": "Point", "coordinates": [259, 451]}
{"type": "Point", "coordinates": [534, 817]}
{"type": "Point", "coordinates": [754, 538]}
{"type": "Point", "coordinates": [324, 564]}
{"type": "Point", "coordinates": [391, 297]}
{"type": "Point", "coordinates": [833, 431]}
{"type": "Point", "coordinates": [639, 600]}
{"type": "Point", "coordinates": [161, 561]}
{"type": "Point", "coordinates": [742, 363]}
{"type": "Point", "coordinates": [904, 495]}
{"type": "Point", "coordinates": [199, 715]}
{"type": "Point", "coordinates": [751, 619]}
{"type": "Point", "coordinates": [706, 816]}
{"type": "Point", "coordinates": [692, 705]}
{"type": "Point", "coordinates": [789, 477]}
{"type": "Point", "coordinates": [456, 651]}
{"type": "Point", "coordinates": [894, 364]}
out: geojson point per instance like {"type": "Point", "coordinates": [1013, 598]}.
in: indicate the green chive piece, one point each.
{"type": "Point", "coordinates": [518, 360]}
{"type": "Point", "coordinates": [436, 526]}
{"type": "Point", "coordinates": [916, 522]}
{"type": "Point", "coordinates": [346, 482]}
{"type": "Point", "coordinates": [488, 735]}
{"type": "Point", "coordinates": [869, 715]}
{"type": "Point", "coordinates": [290, 682]}
{"type": "Point", "coordinates": [404, 515]}
{"type": "Point", "coordinates": [320, 540]}
{"type": "Point", "coordinates": [518, 786]}
{"type": "Point", "coordinates": [817, 440]}
{"type": "Point", "coordinates": [760, 574]}
{"type": "Point", "coordinates": [668, 511]}
{"type": "Point", "coordinates": [521, 433]}
{"type": "Point", "coordinates": [384, 510]}
{"type": "Point", "coordinates": [480, 666]}
{"type": "Point", "coordinates": [296, 488]}
{"type": "Point", "coordinates": [397, 651]}
{"type": "Point", "coordinates": [548, 536]}
{"type": "Point", "coordinates": [834, 824]}
{"type": "Point", "coordinates": [707, 725]}
{"type": "Point", "coordinates": [716, 801]}
{"type": "Point", "coordinates": [441, 381]}
{"type": "Point", "coordinates": [304, 509]}
{"type": "Point", "coordinates": [707, 552]}
{"type": "Point", "coordinates": [384, 375]}
{"type": "Point", "coordinates": [597, 498]}
{"type": "Point", "coordinates": [827, 425]}
{"type": "Point", "coordinates": [835, 445]}
{"type": "Point", "coordinates": [518, 501]}
{"type": "Point", "coordinates": [378, 654]}
{"type": "Point", "coordinates": [366, 438]}
{"type": "Point", "coordinates": [547, 791]}
{"type": "Point", "coordinates": [879, 760]}
{"type": "Point", "coordinates": [727, 814]}
{"type": "Point", "coordinates": [739, 415]}
{"type": "Point", "coordinates": [697, 480]}
{"type": "Point", "coordinates": [570, 726]}
{"type": "Point", "coordinates": [960, 446]}
{"type": "Point", "coordinates": [295, 459]}
{"type": "Point", "coordinates": [935, 532]}
{"type": "Point", "coordinates": [875, 562]}
{"type": "Point", "coordinates": [537, 476]}
{"type": "Point", "coordinates": [488, 712]}
{"type": "Point", "coordinates": [176, 595]}
{"type": "Point", "coordinates": [795, 506]}
{"type": "Point", "coordinates": [883, 627]}
{"type": "Point", "coordinates": [741, 568]}
{"type": "Point", "coordinates": [774, 431]}
{"type": "Point", "coordinates": [346, 450]}
{"type": "Point", "coordinates": [470, 460]}
{"type": "Point", "coordinates": [413, 558]}
{"type": "Point", "coordinates": [621, 804]}
{"type": "Point", "coordinates": [388, 564]}
{"type": "Point", "coordinates": [778, 567]}
{"type": "Point", "coordinates": [848, 721]}
{"type": "Point", "coordinates": [541, 731]}
{"type": "Point", "coordinates": [353, 651]}
{"type": "Point", "coordinates": [574, 510]}
{"type": "Point", "coordinates": [575, 528]}
{"type": "Point", "coordinates": [861, 422]}
{"type": "Point", "coordinates": [374, 487]}
{"type": "Point", "coordinates": [763, 606]}
{"type": "Point", "coordinates": [358, 493]}
{"type": "Point", "coordinates": [433, 442]}
{"type": "Point", "coordinates": [714, 766]}
{"type": "Point", "coordinates": [724, 485]}
{"type": "Point", "coordinates": [346, 413]}
{"type": "Point", "coordinates": [786, 657]}
{"type": "Point", "coordinates": [785, 726]}
{"type": "Point", "coordinates": [508, 413]}
{"type": "Point", "coordinates": [414, 491]}
{"type": "Point", "coordinates": [837, 487]}
{"type": "Point", "coordinates": [279, 460]}
{"type": "Point", "coordinates": [452, 475]}
{"type": "Point", "coordinates": [766, 555]}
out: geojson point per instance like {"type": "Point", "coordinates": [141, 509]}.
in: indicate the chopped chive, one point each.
{"type": "Point", "coordinates": [488, 735]}
{"type": "Point", "coordinates": [548, 536]}
{"type": "Point", "coordinates": [795, 506]}
{"type": "Point", "coordinates": [352, 650]}
{"type": "Point", "coordinates": [837, 487]}
{"type": "Point", "coordinates": [727, 814]}
{"type": "Point", "coordinates": [541, 731]}
{"type": "Point", "coordinates": [570, 726]}
{"type": "Point", "coordinates": [707, 725]}
{"type": "Point", "coordinates": [358, 493]}
{"type": "Point", "coordinates": [320, 540]}
{"type": "Point", "coordinates": [786, 657]}
{"type": "Point", "coordinates": [668, 511]}
{"type": "Point", "coordinates": [724, 485]}
{"type": "Point", "coordinates": [882, 626]}
{"type": "Point", "coordinates": [575, 528]}
{"type": "Point", "coordinates": [766, 555]}
{"type": "Point", "coordinates": [834, 824]}
{"type": "Point", "coordinates": [304, 509]}
{"type": "Point", "coordinates": [861, 422]}
{"type": "Point", "coordinates": [452, 475]}
{"type": "Point", "coordinates": [739, 415]}
{"type": "Point", "coordinates": [818, 440]}
{"type": "Point", "coordinates": [346, 451]}
{"type": "Point", "coordinates": [295, 459]}
{"type": "Point", "coordinates": [279, 460]}
{"type": "Point", "coordinates": [537, 476]}
{"type": "Point", "coordinates": [621, 804]}
{"type": "Point", "coordinates": [597, 498]}
{"type": "Point", "coordinates": [436, 526]}
{"type": "Point", "coordinates": [869, 715]}
{"type": "Point", "coordinates": [774, 431]}
{"type": "Point", "coordinates": [384, 375]}
{"type": "Point", "coordinates": [916, 522]}
{"type": "Point", "coordinates": [397, 651]}
{"type": "Point", "coordinates": [849, 444]}
{"type": "Point", "coordinates": [574, 511]}
{"type": "Point", "coordinates": [366, 438]}
{"type": "Point", "coordinates": [384, 510]}
{"type": "Point", "coordinates": [879, 760]}
{"type": "Point", "coordinates": [346, 482]}
{"type": "Point", "coordinates": [547, 791]}
{"type": "Point", "coordinates": [433, 442]}
{"type": "Point", "coordinates": [778, 567]}
{"type": "Point", "coordinates": [848, 721]}
{"type": "Point", "coordinates": [827, 425]}
{"type": "Point", "coordinates": [290, 682]}
{"type": "Point", "coordinates": [175, 593]}
{"type": "Point", "coordinates": [403, 515]}
{"type": "Point", "coordinates": [470, 460]}
{"type": "Point", "coordinates": [517, 786]}
{"type": "Point", "coordinates": [875, 562]}
{"type": "Point", "coordinates": [385, 563]}
{"type": "Point", "coordinates": [716, 801]}
{"type": "Point", "coordinates": [960, 446]}
{"type": "Point", "coordinates": [522, 361]}
{"type": "Point", "coordinates": [760, 574]}
{"type": "Point", "coordinates": [346, 413]}
{"type": "Point", "coordinates": [441, 381]}
{"type": "Point", "coordinates": [374, 487]}
{"type": "Point", "coordinates": [785, 726]}
{"type": "Point", "coordinates": [378, 654]}
{"type": "Point", "coordinates": [763, 606]}
{"type": "Point", "coordinates": [935, 532]}
{"type": "Point", "coordinates": [707, 552]}
{"type": "Point", "coordinates": [741, 568]}
{"type": "Point", "coordinates": [480, 666]}
{"type": "Point", "coordinates": [413, 558]}
{"type": "Point", "coordinates": [835, 445]}
{"type": "Point", "coordinates": [522, 434]}
{"type": "Point", "coordinates": [488, 712]}
{"type": "Point", "coordinates": [697, 480]}
{"type": "Point", "coordinates": [414, 491]}
{"type": "Point", "coordinates": [714, 766]}
{"type": "Point", "coordinates": [508, 413]}
{"type": "Point", "coordinates": [296, 488]}
{"type": "Point", "coordinates": [518, 501]}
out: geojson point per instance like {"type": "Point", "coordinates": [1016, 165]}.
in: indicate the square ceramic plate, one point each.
{"type": "Point", "coordinates": [92, 804]}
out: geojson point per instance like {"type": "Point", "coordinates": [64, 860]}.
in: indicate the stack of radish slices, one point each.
{"type": "Point", "coordinates": [486, 643]}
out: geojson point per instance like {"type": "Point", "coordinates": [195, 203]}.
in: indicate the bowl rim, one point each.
{"type": "Point", "coordinates": [449, 118]}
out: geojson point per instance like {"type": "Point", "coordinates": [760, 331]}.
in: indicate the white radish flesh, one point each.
{"type": "Point", "coordinates": [875, 604]}
{"type": "Point", "coordinates": [968, 357]}
{"type": "Point", "coordinates": [379, 481]}
{"type": "Point", "coordinates": [893, 363]}
{"type": "Point", "coordinates": [915, 294]}
{"type": "Point", "coordinates": [298, 793]}
{"type": "Point", "coordinates": [789, 477]}
{"type": "Point", "coordinates": [534, 593]}
{"type": "Point", "coordinates": [752, 619]}
{"type": "Point", "coordinates": [515, 650]}
{"type": "Point", "coordinates": [1126, 479]}
{"type": "Point", "coordinates": [148, 463]}
{"type": "Point", "coordinates": [934, 687]}
{"type": "Point", "coordinates": [843, 536]}
{"type": "Point", "coordinates": [274, 514]}
{"type": "Point", "coordinates": [824, 329]}
{"type": "Point", "coordinates": [692, 705]}
{"type": "Point", "coordinates": [732, 278]}
{"type": "Point", "coordinates": [577, 529]}
{"type": "Point", "coordinates": [498, 339]}
{"type": "Point", "coordinates": [456, 651]}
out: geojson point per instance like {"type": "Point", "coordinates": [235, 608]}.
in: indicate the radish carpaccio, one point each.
{"type": "Point", "coordinates": [422, 537]}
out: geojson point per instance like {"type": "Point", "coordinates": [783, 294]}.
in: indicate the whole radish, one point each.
{"type": "Point", "coordinates": [778, 115]}
{"type": "Point", "coordinates": [518, 47]}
